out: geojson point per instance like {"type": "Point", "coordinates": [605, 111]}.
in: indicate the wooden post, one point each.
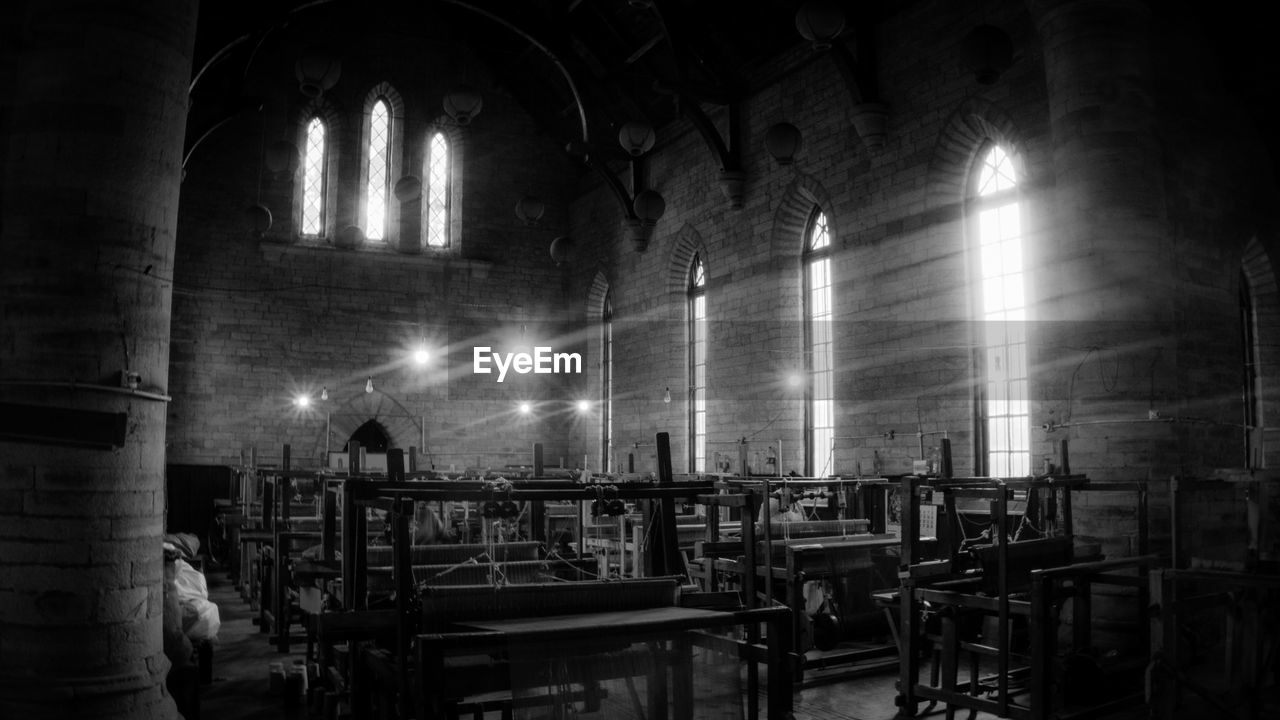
{"type": "Point", "coordinates": [329, 529]}
{"type": "Point", "coordinates": [537, 460]}
{"type": "Point", "coordinates": [664, 550]}
{"type": "Point", "coordinates": [944, 449]}
{"type": "Point", "coordinates": [395, 465]}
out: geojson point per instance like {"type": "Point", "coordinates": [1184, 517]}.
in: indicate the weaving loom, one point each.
{"type": "Point", "coordinates": [470, 564]}
{"type": "Point", "coordinates": [1022, 570]}
{"type": "Point", "coordinates": [799, 561]}
{"type": "Point", "coordinates": [381, 641]}
{"type": "Point", "coordinates": [579, 648]}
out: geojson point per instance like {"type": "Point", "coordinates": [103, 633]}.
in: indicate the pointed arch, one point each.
{"type": "Point", "coordinates": [595, 295]}
{"type": "Point", "coordinates": [996, 247]}
{"type": "Point", "coordinates": [599, 318]}
{"type": "Point", "coordinates": [381, 147]}
{"type": "Point", "coordinates": [972, 126]}
{"type": "Point", "coordinates": [1259, 277]}
{"type": "Point", "coordinates": [688, 243]}
{"type": "Point", "coordinates": [698, 343]}
{"type": "Point", "coordinates": [442, 188]}
{"type": "Point", "coordinates": [795, 211]}
{"type": "Point", "coordinates": [403, 429]}
{"type": "Point", "coordinates": [315, 186]}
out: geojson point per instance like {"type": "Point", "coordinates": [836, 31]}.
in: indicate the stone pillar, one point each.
{"type": "Point", "coordinates": [91, 140]}
{"type": "Point", "coordinates": [1108, 346]}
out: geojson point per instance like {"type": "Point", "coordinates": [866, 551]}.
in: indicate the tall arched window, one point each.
{"type": "Point", "coordinates": [1250, 392]}
{"type": "Point", "coordinates": [606, 383]}
{"type": "Point", "coordinates": [697, 366]}
{"type": "Point", "coordinates": [314, 179]}
{"type": "Point", "coordinates": [378, 187]}
{"type": "Point", "coordinates": [1000, 299]}
{"type": "Point", "coordinates": [437, 191]}
{"type": "Point", "coordinates": [819, 357]}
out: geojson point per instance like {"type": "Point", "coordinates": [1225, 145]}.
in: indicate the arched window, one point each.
{"type": "Point", "coordinates": [697, 366]}
{"type": "Point", "coordinates": [314, 179]}
{"type": "Point", "coordinates": [378, 171]}
{"type": "Point", "coordinates": [437, 191]}
{"type": "Point", "coordinates": [819, 357]}
{"type": "Point", "coordinates": [1251, 390]}
{"type": "Point", "coordinates": [1001, 304]}
{"type": "Point", "coordinates": [606, 382]}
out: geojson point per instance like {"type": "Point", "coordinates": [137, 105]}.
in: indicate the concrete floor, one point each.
{"type": "Point", "coordinates": [241, 677]}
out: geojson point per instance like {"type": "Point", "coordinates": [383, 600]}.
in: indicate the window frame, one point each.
{"type": "Point", "coordinates": [326, 152]}
{"type": "Point", "coordinates": [448, 209]}
{"type": "Point", "coordinates": [389, 167]}
{"type": "Point", "coordinates": [1251, 376]}
{"type": "Point", "coordinates": [696, 293]}
{"type": "Point", "coordinates": [809, 257]}
{"type": "Point", "coordinates": [976, 205]}
{"type": "Point", "coordinates": [606, 381]}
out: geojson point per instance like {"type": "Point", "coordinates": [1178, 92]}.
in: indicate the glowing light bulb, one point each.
{"type": "Point", "coordinates": [584, 406]}
{"type": "Point", "coordinates": [421, 356]}
{"type": "Point", "coordinates": [324, 393]}
{"type": "Point", "coordinates": [525, 408]}
{"type": "Point", "coordinates": [368, 385]}
{"type": "Point", "coordinates": [302, 401]}
{"type": "Point", "coordinates": [793, 379]}
{"type": "Point", "coordinates": [666, 395]}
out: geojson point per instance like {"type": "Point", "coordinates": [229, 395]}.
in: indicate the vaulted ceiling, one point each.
{"type": "Point", "coordinates": [584, 68]}
{"type": "Point", "coordinates": [580, 68]}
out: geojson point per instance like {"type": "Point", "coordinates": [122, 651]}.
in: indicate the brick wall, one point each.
{"type": "Point", "coordinates": [1165, 338]}
{"type": "Point", "coordinates": [1162, 336]}
{"type": "Point", "coordinates": [258, 321]}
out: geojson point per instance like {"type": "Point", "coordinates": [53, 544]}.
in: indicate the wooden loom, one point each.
{"type": "Point", "coordinates": [392, 664]}
{"type": "Point", "coordinates": [480, 635]}
{"type": "Point", "coordinates": [840, 552]}
{"type": "Point", "coordinates": [1004, 577]}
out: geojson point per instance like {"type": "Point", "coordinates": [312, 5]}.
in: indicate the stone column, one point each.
{"type": "Point", "coordinates": [1107, 347]}
{"type": "Point", "coordinates": [91, 124]}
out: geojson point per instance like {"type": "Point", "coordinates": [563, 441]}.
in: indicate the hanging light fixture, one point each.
{"type": "Point", "coordinates": [649, 207]}
{"type": "Point", "coordinates": [636, 138]}
{"type": "Point", "coordinates": [408, 188]}
{"type": "Point", "coordinates": [368, 385]}
{"type": "Point", "coordinates": [463, 103]}
{"type": "Point", "coordinates": [820, 22]}
{"type": "Point", "coordinates": [783, 141]}
{"type": "Point", "coordinates": [666, 395]}
{"type": "Point", "coordinates": [530, 209]}
{"type": "Point", "coordinates": [561, 249]}
{"type": "Point", "coordinates": [281, 158]}
{"type": "Point", "coordinates": [317, 70]}
{"type": "Point", "coordinates": [324, 393]}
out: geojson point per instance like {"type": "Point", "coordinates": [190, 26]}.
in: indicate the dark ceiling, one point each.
{"type": "Point", "coordinates": [573, 65]}
{"type": "Point", "coordinates": [594, 65]}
